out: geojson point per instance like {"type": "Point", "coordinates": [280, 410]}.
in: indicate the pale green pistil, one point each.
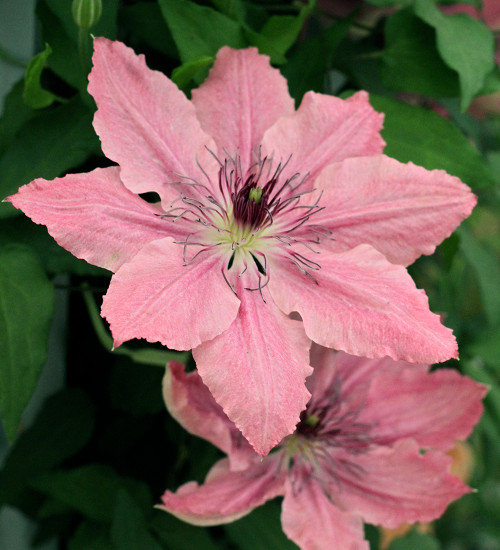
{"type": "Point", "coordinates": [255, 194]}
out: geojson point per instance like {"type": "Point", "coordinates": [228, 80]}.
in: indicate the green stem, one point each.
{"type": "Point", "coordinates": [83, 49]}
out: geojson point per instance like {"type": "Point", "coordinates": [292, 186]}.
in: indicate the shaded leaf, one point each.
{"type": "Point", "coordinates": [260, 529]}
{"type": "Point", "coordinates": [465, 44]}
{"type": "Point", "coordinates": [63, 427]}
{"type": "Point", "coordinates": [178, 535]}
{"type": "Point", "coordinates": [200, 31]}
{"type": "Point", "coordinates": [90, 489]}
{"type": "Point", "coordinates": [486, 266]}
{"type": "Point", "coordinates": [46, 146]}
{"type": "Point", "coordinates": [411, 61]}
{"type": "Point", "coordinates": [415, 541]}
{"type": "Point", "coordinates": [26, 308]}
{"type": "Point", "coordinates": [426, 138]}
{"type": "Point", "coordinates": [91, 536]}
{"type": "Point", "coordinates": [129, 530]}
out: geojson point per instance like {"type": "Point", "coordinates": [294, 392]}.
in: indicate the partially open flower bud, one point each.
{"type": "Point", "coordinates": [86, 13]}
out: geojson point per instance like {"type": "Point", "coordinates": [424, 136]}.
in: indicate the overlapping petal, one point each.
{"type": "Point", "coordinates": [145, 123]}
{"type": "Point", "coordinates": [242, 97]}
{"type": "Point", "coordinates": [364, 305]}
{"type": "Point", "coordinates": [226, 495]}
{"type": "Point", "coordinates": [256, 371]}
{"type": "Point", "coordinates": [393, 485]}
{"type": "Point", "coordinates": [190, 402]}
{"type": "Point", "coordinates": [325, 129]}
{"type": "Point", "coordinates": [434, 409]}
{"type": "Point", "coordinates": [315, 523]}
{"type": "Point", "coordinates": [93, 215]}
{"type": "Point", "coordinates": [402, 210]}
{"type": "Point", "coordinates": [157, 297]}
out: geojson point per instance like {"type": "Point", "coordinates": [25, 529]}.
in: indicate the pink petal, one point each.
{"type": "Point", "coordinates": [311, 520]}
{"type": "Point", "coordinates": [402, 210]}
{"type": "Point", "coordinates": [391, 486]}
{"type": "Point", "coordinates": [434, 409]}
{"type": "Point", "coordinates": [190, 402]}
{"type": "Point", "coordinates": [93, 216]}
{"type": "Point", "coordinates": [157, 297]}
{"type": "Point", "coordinates": [225, 496]}
{"type": "Point", "coordinates": [256, 371]}
{"type": "Point", "coordinates": [354, 374]}
{"type": "Point", "coordinates": [364, 305]}
{"type": "Point", "coordinates": [146, 124]}
{"type": "Point", "coordinates": [242, 97]}
{"type": "Point", "coordinates": [324, 130]}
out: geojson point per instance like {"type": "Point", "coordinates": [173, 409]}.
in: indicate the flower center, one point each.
{"type": "Point", "coordinates": [255, 213]}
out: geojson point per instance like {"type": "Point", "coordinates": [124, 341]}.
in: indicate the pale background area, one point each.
{"type": "Point", "coordinates": [18, 37]}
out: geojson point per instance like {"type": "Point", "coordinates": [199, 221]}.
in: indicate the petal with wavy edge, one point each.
{"type": "Point", "coordinates": [157, 297]}
{"type": "Point", "coordinates": [256, 371]}
{"type": "Point", "coordinates": [402, 210]}
{"type": "Point", "coordinates": [353, 374]}
{"type": "Point", "coordinates": [313, 522]}
{"type": "Point", "coordinates": [364, 305]}
{"type": "Point", "coordinates": [146, 124]}
{"type": "Point", "coordinates": [226, 495]}
{"type": "Point", "coordinates": [391, 486]}
{"type": "Point", "coordinates": [94, 216]}
{"type": "Point", "coordinates": [242, 97]}
{"type": "Point", "coordinates": [435, 408]}
{"type": "Point", "coordinates": [190, 402]}
{"type": "Point", "coordinates": [325, 129]}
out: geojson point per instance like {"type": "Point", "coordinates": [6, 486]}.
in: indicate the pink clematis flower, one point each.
{"type": "Point", "coordinates": [356, 454]}
{"type": "Point", "coordinates": [264, 211]}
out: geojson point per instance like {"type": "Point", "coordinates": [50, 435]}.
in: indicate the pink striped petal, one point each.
{"type": "Point", "coordinates": [364, 305]}
{"type": "Point", "coordinates": [256, 371]}
{"type": "Point", "coordinates": [311, 520]}
{"type": "Point", "coordinates": [190, 402]}
{"type": "Point", "coordinates": [434, 409]}
{"type": "Point", "coordinates": [391, 486]}
{"type": "Point", "coordinates": [354, 374]}
{"type": "Point", "coordinates": [226, 495]}
{"type": "Point", "coordinates": [145, 123]}
{"type": "Point", "coordinates": [242, 97]}
{"type": "Point", "coordinates": [93, 215]}
{"type": "Point", "coordinates": [325, 129]}
{"type": "Point", "coordinates": [157, 297]}
{"type": "Point", "coordinates": [402, 210]}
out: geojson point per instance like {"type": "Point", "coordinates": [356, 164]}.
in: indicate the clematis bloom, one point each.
{"type": "Point", "coordinates": [263, 211]}
{"type": "Point", "coordinates": [356, 454]}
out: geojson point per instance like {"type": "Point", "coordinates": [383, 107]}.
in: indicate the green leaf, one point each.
{"type": "Point", "coordinates": [200, 31]}
{"type": "Point", "coordinates": [426, 138]}
{"type": "Point", "coordinates": [63, 426]}
{"type": "Point", "coordinates": [465, 44]}
{"type": "Point", "coordinates": [178, 535]}
{"type": "Point", "coordinates": [282, 30]}
{"type": "Point", "coordinates": [309, 62]}
{"type": "Point", "coordinates": [15, 114]}
{"type": "Point", "coordinates": [260, 529]}
{"type": "Point", "coordinates": [129, 530]}
{"type": "Point", "coordinates": [90, 536]}
{"type": "Point", "coordinates": [34, 95]}
{"type": "Point", "coordinates": [183, 75]}
{"type": "Point", "coordinates": [486, 266]}
{"type": "Point", "coordinates": [54, 258]}
{"type": "Point", "coordinates": [144, 24]}
{"type": "Point", "coordinates": [46, 146]}
{"type": "Point", "coordinates": [415, 541]}
{"type": "Point", "coordinates": [26, 307]}
{"type": "Point", "coordinates": [411, 61]}
{"type": "Point", "coordinates": [90, 489]}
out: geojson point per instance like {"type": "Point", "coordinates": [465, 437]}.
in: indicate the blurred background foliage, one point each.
{"type": "Point", "coordinates": [102, 449]}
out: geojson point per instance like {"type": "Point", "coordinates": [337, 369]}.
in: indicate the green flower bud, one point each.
{"type": "Point", "coordinates": [86, 13]}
